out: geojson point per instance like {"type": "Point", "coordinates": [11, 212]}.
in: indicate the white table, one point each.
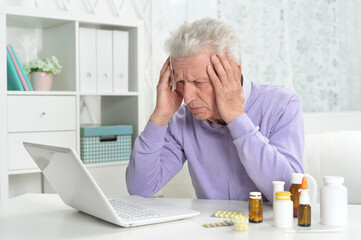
{"type": "Point", "coordinates": [45, 216]}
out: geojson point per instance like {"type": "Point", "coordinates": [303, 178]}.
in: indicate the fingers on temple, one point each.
{"type": "Point", "coordinates": [165, 76]}
{"type": "Point", "coordinates": [228, 68]}
{"type": "Point", "coordinates": [165, 65]}
{"type": "Point", "coordinates": [214, 77]}
{"type": "Point", "coordinates": [234, 70]}
{"type": "Point", "coordinates": [218, 67]}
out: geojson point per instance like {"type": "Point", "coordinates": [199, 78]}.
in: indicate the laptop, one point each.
{"type": "Point", "coordinates": [69, 177]}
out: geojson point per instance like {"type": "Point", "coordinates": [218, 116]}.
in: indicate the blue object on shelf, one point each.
{"type": "Point", "coordinates": [99, 144]}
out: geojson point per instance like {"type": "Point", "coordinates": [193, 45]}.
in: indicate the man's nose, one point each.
{"type": "Point", "coordinates": [189, 92]}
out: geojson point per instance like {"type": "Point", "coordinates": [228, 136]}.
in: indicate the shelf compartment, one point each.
{"type": "Point", "coordinates": [122, 110]}
{"type": "Point", "coordinates": [91, 30]}
{"type": "Point", "coordinates": [36, 37]}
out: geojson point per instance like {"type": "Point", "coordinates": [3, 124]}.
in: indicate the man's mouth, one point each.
{"type": "Point", "coordinates": [196, 109]}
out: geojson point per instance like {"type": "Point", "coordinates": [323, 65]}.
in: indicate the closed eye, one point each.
{"type": "Point", "coordinates": [180, 82]}
{"type": "Point", "coordinates": [199, 83]}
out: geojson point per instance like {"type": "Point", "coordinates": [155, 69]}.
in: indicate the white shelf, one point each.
{"type": "Point", "coordinates": [107, 164]}
{"type": "Point", "coordinates": [69, 93]}
{"type": "Point", "coordinates": [22, 15]}
{"type": "Point", "coordinates": [33, 22]}
{"type": "Point", "coordinates": [24, 171]}
{"type": "Point", "coordinates": [108, 94]}
{"type": "Point", "coordinates": [41, 93]}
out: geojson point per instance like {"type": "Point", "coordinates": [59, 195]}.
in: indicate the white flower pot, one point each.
{"type": "Point", "coordinates": [41, 81]}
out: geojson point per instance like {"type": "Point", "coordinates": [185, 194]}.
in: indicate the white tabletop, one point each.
{"type": "Point", "coordinates": [45, 216]}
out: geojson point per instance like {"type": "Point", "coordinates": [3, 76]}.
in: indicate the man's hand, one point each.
{"type": "Point", "coordinates": [168, 101]}
{"type": "Point", "coordinates": [225, 77]}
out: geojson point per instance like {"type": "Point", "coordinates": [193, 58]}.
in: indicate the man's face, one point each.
{"type": "Point", "coordinates": [194, 85]}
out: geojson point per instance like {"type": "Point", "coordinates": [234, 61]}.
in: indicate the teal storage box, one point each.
{"type": "Point", "coordinates": [100, 144]}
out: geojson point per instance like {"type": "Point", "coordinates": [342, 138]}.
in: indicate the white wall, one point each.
{"type": "Point", "coordinates": [333, 147]}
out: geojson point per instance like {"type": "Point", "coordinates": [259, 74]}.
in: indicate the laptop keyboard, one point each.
{"type": "Point", "coordinates": [131, 211]}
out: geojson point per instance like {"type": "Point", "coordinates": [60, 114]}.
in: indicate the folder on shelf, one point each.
{"type": "Point", "coordinates": [120, 61]}
{"type": "Point", "coordinates": [21, 69]}
{"type": "Point", "coordinates": [22, 80]}
{"type": "Point", "coordinates": [104, 60]}
{"type": "Point", "coordinates": [14, 83]}
{"type": "Point", "coordinates": [88, 58]}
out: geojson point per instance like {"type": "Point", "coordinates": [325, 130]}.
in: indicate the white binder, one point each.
{"type": "Point", "coordinates": [87, 46]}
{"type": "Point", "coordinates": [120, 61]}
{"type": "Point", "coordinates": [104, 60]}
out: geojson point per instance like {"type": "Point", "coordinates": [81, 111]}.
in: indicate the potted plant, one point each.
{"type": "Point", "coordinates": [42, 71]}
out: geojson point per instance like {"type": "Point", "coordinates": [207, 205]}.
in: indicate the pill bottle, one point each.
{"type": "Point", "coordinates": [255, 207]}
{"type": "Point", "coordinates": [283, 210]}
{"type": "Point", "coordinates": [333, 202]}
{"type": "Point", "coordinates": [296, 180]}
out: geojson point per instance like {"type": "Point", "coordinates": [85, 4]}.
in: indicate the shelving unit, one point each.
{"type": "Point", "coordinates": [41, 93]}
{"type": "Point", "coordinates": [53, 117]}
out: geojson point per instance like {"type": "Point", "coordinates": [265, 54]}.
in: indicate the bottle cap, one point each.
{"type": "Point", "coordinates": [296, 178]}
{"type": "Point", "coordinates": [283, 195]}
{"type": "Point", "coordinates": [304, 197]}
{"type": "Point", "coordinates": [278, 183]}
{"type": "Point", "coordinates": [333, 179]}
{"type": "Point", "coordinates": [255, 195]}
{"type": "Point", "coordinates": [304, 183]}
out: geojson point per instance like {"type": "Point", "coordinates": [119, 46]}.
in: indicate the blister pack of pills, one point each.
{"type": "Point", "coordinates": [226, 214]}
{"type": "Point", "coordinates": [218, 224]}
{"type": "Point", "coordinates": [236, 219]}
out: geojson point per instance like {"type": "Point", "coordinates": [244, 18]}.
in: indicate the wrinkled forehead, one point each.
{"type": "Point", "coordinates": [191, 66]}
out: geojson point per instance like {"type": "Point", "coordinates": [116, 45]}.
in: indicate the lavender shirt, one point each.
{"type": "Point", "coordinates": [225, 162]}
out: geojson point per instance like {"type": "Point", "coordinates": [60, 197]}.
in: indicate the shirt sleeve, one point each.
{"type": "Point", "coordinates": [156, 158]}
{"type": "Point", "coordinates": [273, 158]}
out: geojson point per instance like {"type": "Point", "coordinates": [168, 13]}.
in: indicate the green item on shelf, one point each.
{"type": "Point", "coordinates": [14, 83]}
{"type": "Point", "coordinates": [100, 144]}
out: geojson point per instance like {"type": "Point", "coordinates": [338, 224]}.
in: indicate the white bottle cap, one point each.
{"type": "Point", "coordinates": [278, 183]}
{"type": "Point", "coordinates": [333, 179]}
{"type": "Point", "coordinates": [255, 195]}
{"type": "Point", "coordinates": [304, 197]}
{"type": "Point", "coordinates": [296, 178]}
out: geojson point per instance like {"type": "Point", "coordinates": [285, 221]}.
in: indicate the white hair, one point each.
{"type": "Point", "coordinates": [192, 38]}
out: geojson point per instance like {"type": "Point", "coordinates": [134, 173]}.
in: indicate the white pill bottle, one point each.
{"type": "Point", "coordinates": [333, 202]}
{"type": "Point", "coordinates": [283, 210]}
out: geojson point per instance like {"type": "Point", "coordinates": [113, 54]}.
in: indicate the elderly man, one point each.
{"type": "Point", "coordinates": [237, 136]}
